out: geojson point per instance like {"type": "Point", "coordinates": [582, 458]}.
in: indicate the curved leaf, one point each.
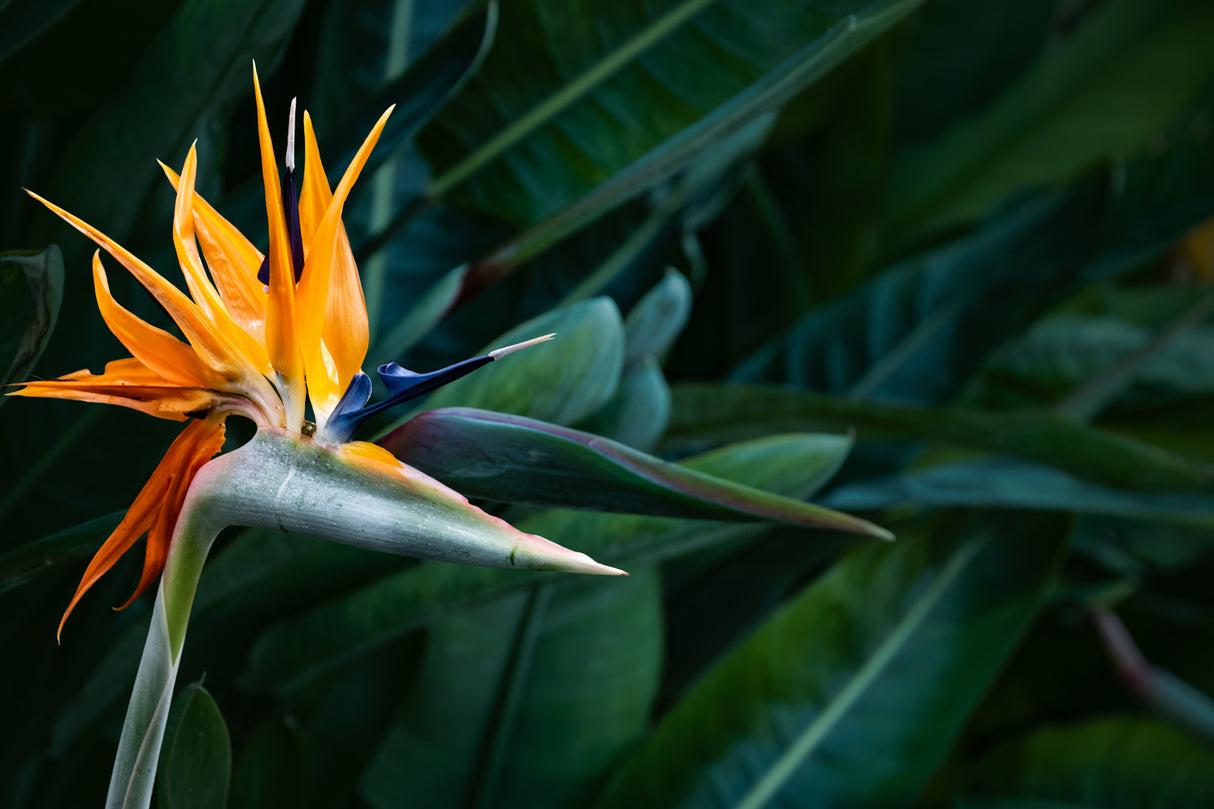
{"type": "Point", "coordinates": [196, 761]}
{"type": "Point", "coordinates": [562, 381]}
{"type": "Point", "coordinates": [526, 136]}
{"type": "Point", "coordinates": [1086, 100]}
{"type": "Point", "coordinates": [506, 701]}
{"type": "Point", "coordinates": [721, 412]}
{"type": "Point", "coordinates": [853, 694]}
{"type": "Point", "coordinates": [512, 459]}
{"type": "Point", "coordinates": [1005, 483]}
{"type": "Point", "coordinates": [918, 329]}
{"type": "Point", "coordinates": [658, 319]}
{"type": "Point", "coordinates": [78, 542]}
{"type": "Point", "coordinates": [638, 413]}
{"type": "Point", "coordinates": [31, 290]}
{"type": "Point", "coordinates": [295, 652]}
{"type": "Point", "coordinates": [1112, 763]}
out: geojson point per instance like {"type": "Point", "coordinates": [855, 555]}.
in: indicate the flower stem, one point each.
{"type": "Point", "coordinates": [134, 777]}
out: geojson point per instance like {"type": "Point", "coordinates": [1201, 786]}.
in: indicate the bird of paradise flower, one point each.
{"type": "Point", "coordinates": [266, 337]}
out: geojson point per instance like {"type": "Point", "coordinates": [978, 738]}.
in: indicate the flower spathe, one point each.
{"type": "Point", "coordinates": [268, 351]}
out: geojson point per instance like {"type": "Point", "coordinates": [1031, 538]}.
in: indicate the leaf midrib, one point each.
{"type": "Point", "coordinates": [593, 76]}
{"type": "Point", "coordinates": [786, 765]}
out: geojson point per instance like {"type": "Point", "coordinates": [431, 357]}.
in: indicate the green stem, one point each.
{"type": "Point", "coordinates": [134, 777]}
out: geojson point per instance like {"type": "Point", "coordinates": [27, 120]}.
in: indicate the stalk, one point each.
{"type": "Point", "coordinates": [134, 777]}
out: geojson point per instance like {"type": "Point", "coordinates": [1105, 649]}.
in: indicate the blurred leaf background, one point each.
{"type": "Point", "coordinates": [937, 262]}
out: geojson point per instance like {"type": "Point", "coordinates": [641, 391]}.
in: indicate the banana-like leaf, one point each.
{"type": "Point", "coordinates": [1110, 762]}
{"type": "Point", "coordinates": [78, 542]}
{"type": "Point", "coordinates": [295, 652]}
{"type": "Point", "coordinates": [658, 319]}
{"type": "Point", "coordinates": [196, 761]}
{"type": "Point", "coordinates": [1084, 101]}
{"type": "Point", "coordinates": [31, 290]}
{"type": "Point", "coordinates": [638, 413]}
{"type": "Point", "coordinates": [518, 460]}
{"type": "Point", "coordinates": [527, 135]}
{"type": "Point", "coordinates": [920, 327]}
{"type": "Point", "coordinates": [505, 698]}
{"type": "Point", "coordinates": [23, 20]}
{"type": "Point", "coordinates": [854, 693]}
{"type": "Point", "coordinates": [562, 381]}
{"type": "Point", "coordinates": [722, 413]}
{"type": "Point", "coordinates": [1007, 483]}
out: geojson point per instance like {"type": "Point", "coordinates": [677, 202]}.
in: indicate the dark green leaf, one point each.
{"type": "Point", "coordinates": [31, 290]}
{"type": "Point", "coordinates": [855, 692]}
{"type": "Point", "coordinates": [637, 414]}
{"type": "Point", "coordinates": [1111, 763]}
{"type": "Point", "coordinates": [196, 759]}
{"type": "Point", "coordinates": [922, 325]}
{"type": "Point", "coordinates": [507, 699]}
{"type": "Point", "coordinates": [78, 542]}
{"type": "Point", "coordinates": [23, 20]}
{"type": "Point", "coordinates": [182, 82]}
{"type": "Point", "coordinates": [723, 413]}
{"type": "Point", "coordinates": [268, 768]}
{"type": "Point", "coordinates": [657, 319]}
{"type": "Point", "coordinates": [561, 381]}
{"type": "Point", "coordinates": [543, 124]}
{"type": "Point", "coordinates": [961, 54]}
{"type": "Point", "coordinates": [294, 652]}
{"type": "Point", "coordinates": [1006, 483]}
{"type": "Point", "coordinates": [1124, 76]}
{"type": "Point", "coordinates": [512, 459]}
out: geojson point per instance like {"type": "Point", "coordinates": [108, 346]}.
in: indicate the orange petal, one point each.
{"type": "Point", "coordinates": [128, 383]}
{"type": "Point", "coordinates": [233, 261]}
{"type": "Point", "coordinates": [196, 445]}
{"type": "Point", "coordinates": [333, 314]}
{"type": "Point", "coordinates": [181, 461]}
{"type": "Point", "coordinates": [212, 347]}
{"type": "Point", "coordinates": [201, 289]}
{"type": "Point", "coordinates": [174, 361]}
{"type": "Point", "coordinates": [281, 341]}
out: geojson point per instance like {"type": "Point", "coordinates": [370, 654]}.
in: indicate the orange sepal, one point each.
{"type": "Point", "coordinates": [184, 312]}
{"type": "Point", "coordinates": [333, 314]}
{"type": "Point", "coordinates": [128, 383]}
{"type": "Point", "coordinates": [233, 261]}
{"type": "Point", "coordinates": [158, 504]}
{"type": "Point", "coordinates": [201, 289]}
{"type": "Point", "coordinates": [281, 341]}
{"type": "Point", "coordinates": [155, 348]}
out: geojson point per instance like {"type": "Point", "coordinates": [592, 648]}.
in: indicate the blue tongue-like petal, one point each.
{"type": "Point", "coordinates": [403, 385]}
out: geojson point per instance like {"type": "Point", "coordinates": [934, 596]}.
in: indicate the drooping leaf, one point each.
{"type": "Point", "coordinates": [730, 412]}
{"type": "Point", "coordinates": [196, 760]}
{"type": "Point", "coordinates": [1087, 100]}
{"type": "Point", "coordinates": [513, 459]}
{"type": "Point", "coordinates": [526, 136]}
{"type": "Point", "coordinates": [182, 80]}
{"type": "Point", "coordinates": [294, 652]}
{"type": "Point", "coordinates": [1110, 762]}
{"type": "Point", "coordinates": [960, 55]}
{"type": "Point", "coordinates": [1009, 483]}
{"type": "Point", "coordinates": [268, 767]}
{"type": "Point", "coordinates": [78, 542]}
{"type": "Point", "coordinates": [31, 290]}
{"type": "Point", "coordinates": [922, 325]}
{"type": "Point", "coordinates": [856, 691]}
{"type": "Point", "coordinates": [508, 702]}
